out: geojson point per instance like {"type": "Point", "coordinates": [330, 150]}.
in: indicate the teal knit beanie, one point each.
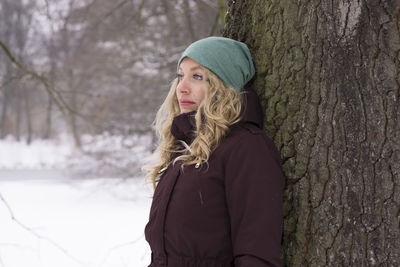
{"type": "Point", "coordinates": [230, 60]}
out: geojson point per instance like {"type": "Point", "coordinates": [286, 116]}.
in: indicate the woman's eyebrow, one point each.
{"type": "Point", "coordinates": [193, 68]}
{"type": "Point", "coordinates": [196, 68]}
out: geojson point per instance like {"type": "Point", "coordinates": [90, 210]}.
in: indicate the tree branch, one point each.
{"type": "Point", "coordinates": [51, 91]}
{"type": "Point", "coordinates": [111, 250]}
{"type": "Point", "coordinates": [39, 236]}
{"type": "Point", "coordinates": [109, 13]}
{"type": "Point", "coordinates": [220, 16]}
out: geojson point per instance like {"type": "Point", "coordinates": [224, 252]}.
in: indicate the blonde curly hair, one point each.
{"type": "Point", "coordinates": [220, 108]}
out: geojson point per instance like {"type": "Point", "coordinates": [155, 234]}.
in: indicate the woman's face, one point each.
{"type": "Point", "coordinates": [191, 85]}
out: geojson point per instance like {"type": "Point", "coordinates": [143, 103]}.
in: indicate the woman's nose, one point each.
{"type": "Point", "coordinates": [183, 87]}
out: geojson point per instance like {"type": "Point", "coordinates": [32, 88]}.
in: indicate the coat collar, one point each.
{"type": "Point", "coordinates": [184, 127]}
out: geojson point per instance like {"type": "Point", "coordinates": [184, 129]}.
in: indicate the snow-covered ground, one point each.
{"type": "Point", "coordinates": [49, 219]}
{"type": "Point", "coordinates": [41, 154]}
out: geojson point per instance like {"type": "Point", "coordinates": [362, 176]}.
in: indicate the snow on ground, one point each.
{"type": "Point", "coordinates": [38, 155]}
{"type": "Point", "coordinates": [101, 155]}
{"type": "Point", "coordinates": [49, 219]}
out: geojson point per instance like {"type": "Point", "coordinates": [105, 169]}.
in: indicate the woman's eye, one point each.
{"type": "Point", "coordinates": [179, 76]}
{"type": "Point", "coordinates": [198, 77]}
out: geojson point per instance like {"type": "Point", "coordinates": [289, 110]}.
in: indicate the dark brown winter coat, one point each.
{"type": "Point", "coordinates": [229, 214]}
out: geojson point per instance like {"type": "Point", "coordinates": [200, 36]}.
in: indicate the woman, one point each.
{"type": "Point", "coordinates": [218, 186]}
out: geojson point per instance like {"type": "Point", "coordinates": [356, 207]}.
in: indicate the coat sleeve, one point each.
{"type": "Point", "coordinates": [254, 188]}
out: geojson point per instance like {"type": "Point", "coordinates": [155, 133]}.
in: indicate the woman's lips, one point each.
{"type": "Point", "coordinates": [185, 102]}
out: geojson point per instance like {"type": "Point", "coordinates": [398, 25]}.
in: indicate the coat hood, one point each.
{"type": "Point", "coordinates": [252, 108]}
{"type": "Point", "coordinates": [184, 125]}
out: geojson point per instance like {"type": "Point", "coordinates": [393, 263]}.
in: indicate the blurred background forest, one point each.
{"type": "Point", "coordinates": [90, 68]}
{"type": "Point", "coordinates": [80, 84]}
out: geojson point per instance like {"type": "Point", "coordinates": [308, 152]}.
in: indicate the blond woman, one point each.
{"type": "Point", "coordinates": [218, 185]}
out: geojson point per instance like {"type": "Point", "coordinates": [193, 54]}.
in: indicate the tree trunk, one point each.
{"type": "Point", "coordinates": [71, 118]}
{"type": "Point", "coordinates": [49, 109]}
{"type": "Point", "coordinates": [328, 74]}
{"type": "Point", "coordinates": [18, 110]}
{"type": "Point", "coordinates": [28, 116]}
{"type": "Point", "coordinates": [188, 17]}
{"type": "Point", "coordinates": [6, 14]}
{"type": "Point", "coordinates": [4, 108]}
{"type": "Point", "coordinates": [71, 114]}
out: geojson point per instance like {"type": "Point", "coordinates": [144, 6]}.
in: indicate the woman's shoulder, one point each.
{"type": "Point", "coordinates": [247, 138]}
{"type": "Point", "coordinates": [247, 132]}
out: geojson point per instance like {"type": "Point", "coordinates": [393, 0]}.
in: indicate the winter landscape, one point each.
{"type": "Point", "coordinates": [80, 85]}
{"type": "Point", "coordinates": [51, 217]}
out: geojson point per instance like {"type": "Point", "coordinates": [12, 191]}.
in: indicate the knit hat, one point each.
{"type": "Point", "coordinates": [230, 60]}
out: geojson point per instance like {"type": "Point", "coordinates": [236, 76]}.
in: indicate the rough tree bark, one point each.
{"type": "Point", "coordinates": [328, 73]}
